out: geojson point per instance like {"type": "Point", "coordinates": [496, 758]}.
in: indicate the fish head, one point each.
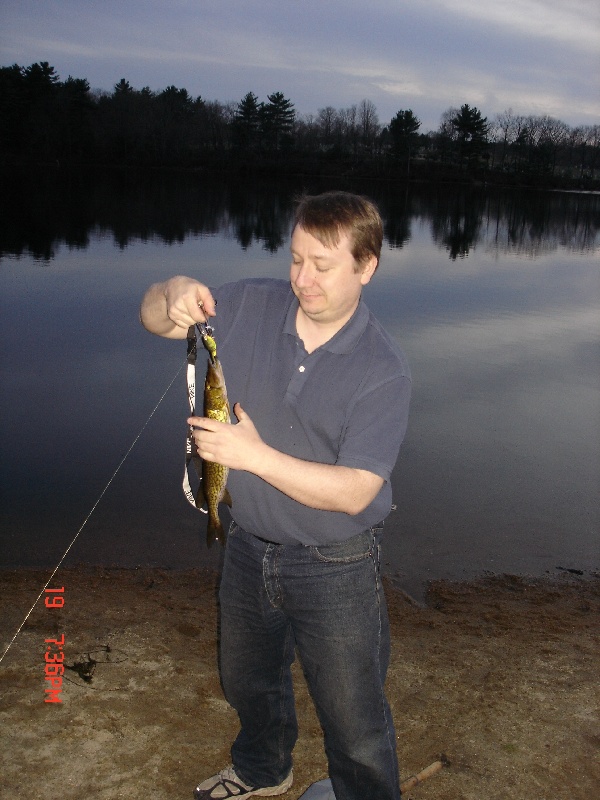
{"type": "Point", "coordinates": [215, 392]}
{"type": "Point", "coordinates": [214, 375]}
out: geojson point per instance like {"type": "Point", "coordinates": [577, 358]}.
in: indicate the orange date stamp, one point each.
{"type": "Point", "coordinates": [54, 656]}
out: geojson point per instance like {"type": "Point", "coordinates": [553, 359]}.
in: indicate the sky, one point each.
{"type": "Point", "coordinates": [539, 57]}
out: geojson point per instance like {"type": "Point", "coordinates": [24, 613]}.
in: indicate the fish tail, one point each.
{"type": "Point", "coordinates": [215, 532]}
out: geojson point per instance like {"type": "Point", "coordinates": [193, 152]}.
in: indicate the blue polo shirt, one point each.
{"type": "Point", "coordinates": [345, 403]}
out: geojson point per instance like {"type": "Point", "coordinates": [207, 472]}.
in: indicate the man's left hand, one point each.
{"type": "Point", "coordinates": [235, 446]}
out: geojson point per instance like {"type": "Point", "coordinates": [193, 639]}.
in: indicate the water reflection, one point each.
{"type": "Point", "coordinates": [40, 212]}
{"type": "Point", "coordinates": [493, 295]}
{"type": "Point", "coordinates": [523, 222]}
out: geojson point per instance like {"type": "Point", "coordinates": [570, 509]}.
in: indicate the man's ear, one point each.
{"type": "Point", "coordinates": [368, 270]}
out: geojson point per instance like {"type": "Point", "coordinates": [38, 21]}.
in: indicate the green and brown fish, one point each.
{"type": "Point", "coordinates": [213, 486]}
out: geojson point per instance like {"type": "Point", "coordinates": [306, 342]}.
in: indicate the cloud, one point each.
{"type": "Point", "coordinates": [577, 21]}
{"type": "Point", "coordinates": [536, 56]}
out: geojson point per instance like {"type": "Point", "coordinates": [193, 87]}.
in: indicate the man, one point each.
{"type": "Point", "coordinates": [321, 396]}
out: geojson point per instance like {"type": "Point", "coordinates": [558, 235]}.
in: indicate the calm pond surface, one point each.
{"type": "Point", "coordinates": [494, 296]}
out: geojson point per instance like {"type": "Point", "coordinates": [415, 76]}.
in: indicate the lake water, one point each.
{"type": "Point", "coordinates": [494, 296]}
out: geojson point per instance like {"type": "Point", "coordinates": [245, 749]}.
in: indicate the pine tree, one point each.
{"type": "Point", "coordinates": [472, 130]}
{"type": "Point", "coordinates": [246, 123]}
{"type": "Point", "coordinates": [277, 118]}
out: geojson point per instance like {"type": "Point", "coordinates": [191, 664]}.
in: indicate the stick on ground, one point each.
{"type": "Point", "coordinates": [414, 780]}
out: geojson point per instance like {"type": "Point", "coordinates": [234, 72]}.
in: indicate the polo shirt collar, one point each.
{"type": "Point", "coordinates": [345, 339]}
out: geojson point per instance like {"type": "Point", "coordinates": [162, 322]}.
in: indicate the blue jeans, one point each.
{"type": "Point", "coordinates": [328, 603]}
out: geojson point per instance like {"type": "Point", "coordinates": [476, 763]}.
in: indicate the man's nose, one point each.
{"type": "Point", "coordinates": [304, 276]}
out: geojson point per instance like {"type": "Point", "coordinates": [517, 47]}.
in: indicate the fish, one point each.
{"type": "Point", "coordinates": [213, 486]}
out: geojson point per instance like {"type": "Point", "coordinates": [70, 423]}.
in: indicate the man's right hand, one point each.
{"type": "Point", "coordinates": [169, 308]}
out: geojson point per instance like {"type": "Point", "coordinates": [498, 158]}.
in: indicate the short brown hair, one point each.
{"type": "Point", "coordinates": [326, 216]}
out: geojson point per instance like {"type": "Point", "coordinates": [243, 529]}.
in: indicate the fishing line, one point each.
{"type": "Point", "coordinates": [102, 493]}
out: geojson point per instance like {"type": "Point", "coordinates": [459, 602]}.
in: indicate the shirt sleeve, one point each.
{"type": "Point", "coordinates": [376, 427]}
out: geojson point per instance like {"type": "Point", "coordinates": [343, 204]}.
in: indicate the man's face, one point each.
{"type": "Point", "coordinates": [324, 278]}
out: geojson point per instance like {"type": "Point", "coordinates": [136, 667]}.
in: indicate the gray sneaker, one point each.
{"type": "Point", "coordinates": [228, 784]}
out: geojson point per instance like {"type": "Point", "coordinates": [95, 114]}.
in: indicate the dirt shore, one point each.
{"type": "Point", "coordinates": [499, 676]}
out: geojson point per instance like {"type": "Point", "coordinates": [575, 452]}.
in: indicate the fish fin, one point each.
{"type": "Point", "coordinates": [200, 499]}
{"type": "Point", "coordinates": [215, 532]}
{"type": "Point", "coordinates": [227, 498]}
{"type": "Point", "coordinates": [197, 462]}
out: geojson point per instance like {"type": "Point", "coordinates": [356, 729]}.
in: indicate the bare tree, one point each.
{"type": "Point", "coordinates": [447, 127]}
{"type": "Point", "coordinates": [369, 124]}
{"type": "Point", "coordinates": [583, 144]}
{"type": "Point", "coordinates": [508, 128]}
{"type": "Point", "coordinates": [349, 130]}
{"type": "Point", "coordinates": [326, 121]}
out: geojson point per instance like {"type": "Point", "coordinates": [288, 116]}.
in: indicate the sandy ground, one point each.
{"type": "Point", "coordinates": [500, 676]}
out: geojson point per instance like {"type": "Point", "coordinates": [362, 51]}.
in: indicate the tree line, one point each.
{"type": "Point", "coordinates": [46, 120]}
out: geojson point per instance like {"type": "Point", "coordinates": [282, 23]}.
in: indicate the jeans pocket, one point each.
{"type": "Point", "coordinates": [356, 548]}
